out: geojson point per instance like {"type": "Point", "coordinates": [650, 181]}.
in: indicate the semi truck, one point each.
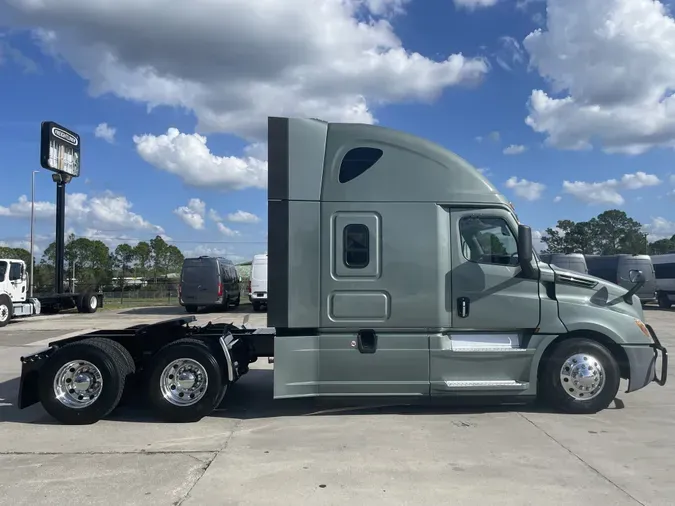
{"type": "Point", "coordinates": [16, 302]}
{"type": "Point", "coordinates": [396, 270]}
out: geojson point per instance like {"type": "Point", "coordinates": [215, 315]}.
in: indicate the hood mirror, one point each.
{"type": "Point", "coordinates": [638, 279]}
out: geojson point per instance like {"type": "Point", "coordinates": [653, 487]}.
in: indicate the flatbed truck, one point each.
{"type": "Point", "coordinates": [15, 300]}
{"type": "Point", "coordinates": [397, 270]}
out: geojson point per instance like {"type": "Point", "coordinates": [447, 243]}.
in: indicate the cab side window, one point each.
{"type": "Point", "coordinates": [356, 246]}
{"type": "Point", "coordinates": [14, 272]}
{"type": "Point", "coordinates": [488, 240]}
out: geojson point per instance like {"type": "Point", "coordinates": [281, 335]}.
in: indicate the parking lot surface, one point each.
{"type": "Point", "coordinates": [256, 451]}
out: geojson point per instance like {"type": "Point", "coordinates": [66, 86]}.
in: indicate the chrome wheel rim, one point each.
{"type": "Point", "coordinates": [93, 302]}
{"type": "Point", "coordinates": [4, 313]}
{"type": "Point", "coordinates": [184, 382]}
{"type": "Point", "coordinates": [78, 384]}
{"type": "Point", "coordinates": [582, 377]}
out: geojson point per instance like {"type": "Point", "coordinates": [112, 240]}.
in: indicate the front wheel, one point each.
{"type": "Point", "coordinates": [5, 310]}
{"type": "Point", "coordinates": [581, 376]}
{"type": "Point", "coordinates": [185, 381]}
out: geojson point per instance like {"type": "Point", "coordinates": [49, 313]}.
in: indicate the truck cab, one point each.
{"type": "Point", "coordinates": [397, 269]}
{"type": "Point", "coordinates": [14, 299]}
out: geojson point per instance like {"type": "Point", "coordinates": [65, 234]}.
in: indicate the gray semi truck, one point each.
{"type": "Point", "coordinates": [395, 270]}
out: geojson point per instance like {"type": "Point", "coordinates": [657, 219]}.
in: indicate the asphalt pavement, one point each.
{"type": "Point", "coordinates": [255, 451]}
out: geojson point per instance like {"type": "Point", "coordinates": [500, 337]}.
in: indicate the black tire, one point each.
{"type": "Point", "coordinates": [664, 301]}
{"type": "Point", "coordinates": [237, 302]}
{"type": "Point", "coordinates": [104, 354]}
{"type": "Point", "coordinates": [554, 391]}
{"type": "Point", "coordinates": [88, 303]}
{"type": "Point", "coordinates": [191, 309]}
{"type": "Point", "coordinates": [256, 306]}
{"type": "Point", "coordinates": [199, 352]}
{"type": "Point", "coordinates": [6, 310]}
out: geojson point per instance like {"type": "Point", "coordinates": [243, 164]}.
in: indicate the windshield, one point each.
{"type": "Point", "coordinates": [3, 270]}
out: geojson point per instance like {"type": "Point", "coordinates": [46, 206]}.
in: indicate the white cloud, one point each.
{"type": "Point", "coordinates": [529, 190]}
{"type": "Point", "coordinates": [227, 231]}
{"type": "Point", "coordinates": [536, 240]}
{"type": "Point", "coordinates": [474, 4]}
{"type": "Point", "coordinates": [234, 62]}
{"type": "Point", "coordinates": [192, 214]}
{"type": "Point", "coordinates": [611, 69]}
{"type": "Point", "coordinates": [23, 244]}
{"type": "Point", "coordinates": [672, 179]}
{"type": "Point", "coordinates": [557, 198]}
{"type": "Point", "coordinates": [106, 212]}
{"type": "Point", "coordinates": [22, 208]}
{"type": "Point", "coordinates": [607, 192]}
{"type": "Point", "coordinates": [105, 132]}
{"type": "Point", "coordinates": [214, 215]}
{"type": "Point", "coordinates": [660, 228]}
{"type": "Point", "coordinates": [188, 157]}
{"type": "Point", "coordinates": [243, 217]}
{"type": "Point", "coordinates": [257, 150]}
{"type": "Point", "coordinates": [514, 149]}
{"type": "Point", "coordinates": [494, 136]}
{"type": "Point", "coordinates": [510, 53]}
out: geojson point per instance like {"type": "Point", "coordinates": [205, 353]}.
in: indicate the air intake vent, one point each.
{"type": "Point", "coordinates": [575, 280]}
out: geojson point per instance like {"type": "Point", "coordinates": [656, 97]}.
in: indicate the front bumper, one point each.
{"type": "Point", "coordinates": [643, 360]}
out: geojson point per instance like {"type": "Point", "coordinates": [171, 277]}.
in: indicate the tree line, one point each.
{"type": "Point", "coordinates": [94, 265]}
{"type": "Point", "coordinates": [609, 233]}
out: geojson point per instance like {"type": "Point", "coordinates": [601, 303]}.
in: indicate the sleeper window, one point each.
{"type": "Point", "coordinates": [357, 161]}
{"type": "Point", "coordinates": [488, 240]}
{"type": "Point", "coordinates": [356, 246]}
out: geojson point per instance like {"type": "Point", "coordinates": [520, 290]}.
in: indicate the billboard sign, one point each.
{"type": "Point", "coordinates": [59, 149]}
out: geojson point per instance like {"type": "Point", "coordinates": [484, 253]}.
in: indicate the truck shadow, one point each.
{"type": "Point", "coordinates": [251, 398]}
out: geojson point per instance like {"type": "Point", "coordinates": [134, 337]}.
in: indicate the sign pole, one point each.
{"type": "Point", "coordinates": [60, 153]}
{"type": "Point", "coordinates": [59, 179]}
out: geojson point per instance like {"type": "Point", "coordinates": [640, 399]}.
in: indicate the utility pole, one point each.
{"type": "Point", "coordinates": [32, 242]}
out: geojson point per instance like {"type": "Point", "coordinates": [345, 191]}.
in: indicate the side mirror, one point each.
{"type": "Point", "coordinates": [524, 243]}
{"type": "Point", "coordinates": [636, 276]}
{"type": "Point", "coordinates": [525, 250]}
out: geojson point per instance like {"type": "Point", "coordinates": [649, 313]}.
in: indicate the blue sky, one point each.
{"type": "Point", "coordinates": [601, 122]}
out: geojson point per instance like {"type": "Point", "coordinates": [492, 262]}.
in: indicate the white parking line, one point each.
{"type": "Point", "coordinates": [45, 342]}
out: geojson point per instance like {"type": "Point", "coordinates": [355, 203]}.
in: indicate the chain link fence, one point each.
{"type": "Point", "coordinates": [159, 294]}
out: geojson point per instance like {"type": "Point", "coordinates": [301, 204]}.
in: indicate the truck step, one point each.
{"type": "Point", "coordinates": [488, 385]}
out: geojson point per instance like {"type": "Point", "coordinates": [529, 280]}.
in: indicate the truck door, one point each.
{"type": "Point", "coordinates": [17, 287]}
{"type": "Point", "coordinates": [489, 291]}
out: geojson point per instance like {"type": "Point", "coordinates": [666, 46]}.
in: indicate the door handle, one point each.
{"type": "Point", "coordinates": [463, 304]}
{"type": "Point", "coordinates": [367, 341]}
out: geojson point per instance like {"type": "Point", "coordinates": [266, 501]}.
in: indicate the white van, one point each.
{"type": "Point", "coordinates": [257, 286]}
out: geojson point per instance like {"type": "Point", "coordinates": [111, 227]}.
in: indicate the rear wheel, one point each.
{"type": "Point", "coordinates": [191, 309]}
{"type": "Point", "coordinates": [5, 310]}
{"type": "Point", "coordinates": [88, 303]}
{"type": "Point", "coordinates": [83, 381]}
{"type": "Point", "coordinates": [580, 376]}
{"type": "Point", "coordinates": [185, 381]}
{"type": "Point", "coordinates": [237, 302]}
{"type": "Point", "coordinates": [256, 306]}
{"type": "Point", "coordinates": [664, 301]}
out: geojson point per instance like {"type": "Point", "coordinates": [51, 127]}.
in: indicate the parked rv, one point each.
{"type": "Point", "coordinates": [257, 285]}
{"type": "Point", "coordinates": [664, 267]}
{"type": "Point", "coordinates": [209, 282]}
{"type": "Point", "coordinates": [570, 261]}
{"type": "Point", "coordinates": [396, 269]}
{"type": "Point", "coordinates": [616, 268]}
